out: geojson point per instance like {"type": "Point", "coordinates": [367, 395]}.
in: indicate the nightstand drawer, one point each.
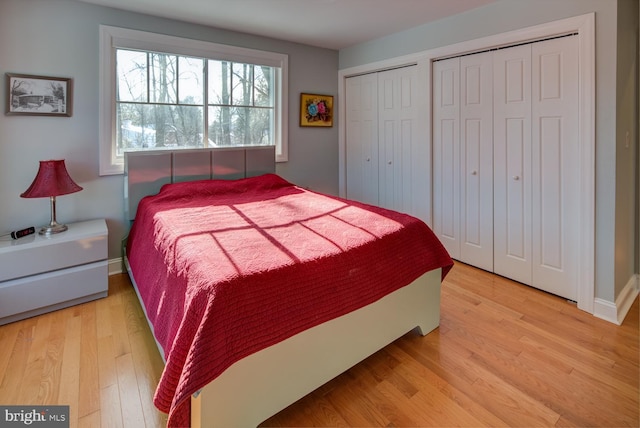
{"type": "Point", "coordinates": [19, 297]}
{"type": "Point", "coordinates": [83, 243]}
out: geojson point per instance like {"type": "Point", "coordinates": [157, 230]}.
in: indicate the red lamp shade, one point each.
{"type": "Point", "coordinates": [52, 180]}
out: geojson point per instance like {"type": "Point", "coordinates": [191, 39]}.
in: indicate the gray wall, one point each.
{"type": "Point", "coordinates": [60, 38]}
{"type": "Point", "coordinates": [626, 137]}
{"type": "Point", "coordinates": [615, 105]}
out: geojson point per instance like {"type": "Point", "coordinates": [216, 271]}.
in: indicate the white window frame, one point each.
{"type": "Point", "coordinates": [112, 38]}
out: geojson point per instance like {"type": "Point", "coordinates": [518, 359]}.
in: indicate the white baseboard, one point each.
{"type": "Point", "coordinates": [115, 266]}
{"type": "Point", "coordinates": [616, 312]}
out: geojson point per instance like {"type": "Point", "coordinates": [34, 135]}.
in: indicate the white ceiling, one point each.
{"type": "Point", "coordinates": [333, 24]}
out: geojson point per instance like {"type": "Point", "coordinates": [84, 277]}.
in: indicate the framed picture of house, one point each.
{"type": "Point", "coordinates": [38, 95]}
{"type": "Point", "coordinates": [316, 110]}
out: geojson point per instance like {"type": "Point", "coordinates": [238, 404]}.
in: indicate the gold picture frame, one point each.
{"type": "Point", "coordinates": [30, 95]}
{"type": "Point", "coordinates": [316, 110]}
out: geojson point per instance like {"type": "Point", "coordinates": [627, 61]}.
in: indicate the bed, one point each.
{"type": "Point", "coordinates": [259, 291]}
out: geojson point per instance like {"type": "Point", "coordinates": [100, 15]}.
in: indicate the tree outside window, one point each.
{"type": "Point", "coordinates": [165, 100]}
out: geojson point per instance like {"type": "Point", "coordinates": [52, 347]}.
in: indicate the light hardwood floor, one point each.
{"type": "Point", "coordinates": [504, 355]}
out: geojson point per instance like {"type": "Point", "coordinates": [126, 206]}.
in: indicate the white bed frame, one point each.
{"type": "Point", "coordinates": [262, 384]}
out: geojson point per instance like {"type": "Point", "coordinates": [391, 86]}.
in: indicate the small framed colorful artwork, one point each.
{"type": "Point", "coordinates": [316, 110]}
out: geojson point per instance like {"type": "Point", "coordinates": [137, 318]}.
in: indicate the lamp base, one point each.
{"type": "Point", "coordinates": [52, 228]}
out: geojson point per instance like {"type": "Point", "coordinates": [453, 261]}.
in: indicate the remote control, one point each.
{"type": "Point", "coordinates": [23, 232]}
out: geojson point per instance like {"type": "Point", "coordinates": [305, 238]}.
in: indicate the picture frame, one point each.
{"type": "Point", "coordinates": [30, 95]}
{"type": "Point", "coordinates": [316, 110]}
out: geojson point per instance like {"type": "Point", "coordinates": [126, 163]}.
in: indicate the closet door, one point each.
{"type": "Point", "coordinates": [555, 174]}
{"type": "Point", "coordinates": [446, 154]}
{"type": "Point", "coordinates": [397, 137]}
{"type": "Point", "coordinates": [512, 166]}
{"type": "Point", "coordinates": [361, 94]}
{"type": "Point", "coordinates": [536, 179]}
{"type": "Point", "coordinates": [476, 160]}
{"type": "Point", "coordinates": [463, 157]}
{"type": "Point", "coordinates": [506, 179]}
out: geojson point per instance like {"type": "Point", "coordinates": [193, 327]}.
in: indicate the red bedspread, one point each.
{"type": "Point", "coordinates": [227, 268]}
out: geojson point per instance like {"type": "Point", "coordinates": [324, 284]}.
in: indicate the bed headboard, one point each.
{"type": "Point", "coordinates": [146, 171]}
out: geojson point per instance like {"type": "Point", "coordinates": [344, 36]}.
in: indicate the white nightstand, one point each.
{"type": "Point", "coordinates": [40, 274]}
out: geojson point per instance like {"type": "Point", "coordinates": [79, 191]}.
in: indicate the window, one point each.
{"type": "Point", "coordinates": [161, 91]}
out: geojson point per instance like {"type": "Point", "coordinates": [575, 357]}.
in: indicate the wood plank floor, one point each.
{"type": "Point", "coordinates": [504, 355]}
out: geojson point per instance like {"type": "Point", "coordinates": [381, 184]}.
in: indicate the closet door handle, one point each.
{"type": "Point", "coordinates": [368, 159]}
{"type": "Point", "coordinates": [389, 162]}
{"type": "Point", "coordinates": [474, 172]}
{"type": "Point", "coordinates": [516, 177]}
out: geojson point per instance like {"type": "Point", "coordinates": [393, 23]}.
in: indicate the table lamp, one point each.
{"type": "Point", "coordinates": [52, 180]}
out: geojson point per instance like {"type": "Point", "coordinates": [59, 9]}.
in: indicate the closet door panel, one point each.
{"type": "Point", "coordinates": [513, 183]}
{"type": "Point", "coordinates": [476, 160]}
{"type": "Point", "coordinates": [446, 154]}
{"type": "Point", "coordinates": [388, 177]}
{"type": "Point", "coordinates": [512, 170]}
{"type": "Point", "coordinates": [555, 154]}
{"type": "Point", "coordinates": [362, 138]}
{"type": "Point", "coordinates": [548, 193]}
{"type": "Point", "coordinates": [387, 115]}
{"type": "Point", "coordinates": [409, 137]}
{"type": "Point", "coordinates": [397, 130]}
{"type": "Point", "coordinates": [405, 190]}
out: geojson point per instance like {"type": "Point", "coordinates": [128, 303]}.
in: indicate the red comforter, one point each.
{"type": "Point", "coordinates": [227, 268]}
